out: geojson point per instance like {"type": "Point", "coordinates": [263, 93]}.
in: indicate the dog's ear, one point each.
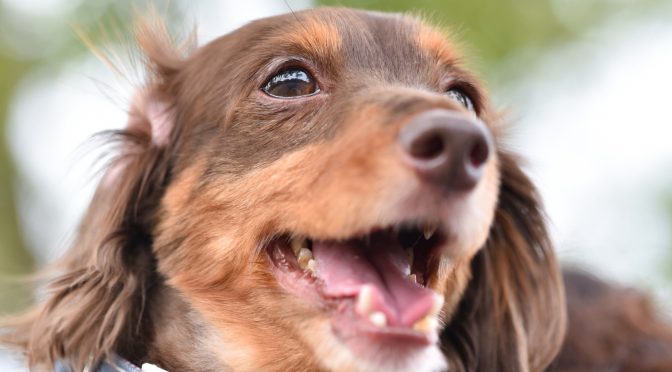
{"type": "Point", "coordinates": [96, 302]}
{"type": "Point", "coordinates": [512, 316]}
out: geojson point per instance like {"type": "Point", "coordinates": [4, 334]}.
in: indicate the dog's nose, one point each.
{"type": "Point", "coordinates": [446, 148]}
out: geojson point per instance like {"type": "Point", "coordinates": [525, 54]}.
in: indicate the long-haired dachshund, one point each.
{"type": "Point", "coordinates": [324, 190]}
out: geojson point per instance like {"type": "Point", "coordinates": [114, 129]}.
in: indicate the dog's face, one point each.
{"type": "Point", "coordinates": [336, 175]}
{"type": "Point", "coordinates": [319, 190]}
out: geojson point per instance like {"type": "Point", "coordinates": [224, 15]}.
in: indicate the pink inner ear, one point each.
{"type": "Point", "coordinates": [160, 116]}
{"type": "Point", "coordinates": [148, 115]}
{"type": "Point", "coordinates": [152, 116]}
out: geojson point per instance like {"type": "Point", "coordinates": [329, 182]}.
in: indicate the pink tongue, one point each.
{"type": "Point", "coordinates": [345, 267]}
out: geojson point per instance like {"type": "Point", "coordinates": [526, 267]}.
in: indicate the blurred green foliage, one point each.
{"type": "Point", "coordinates": [13, 259]}
{"type": "Point", "coordinates": [495, 30]}
{"type": "Point", "coordinates": [15, 65]}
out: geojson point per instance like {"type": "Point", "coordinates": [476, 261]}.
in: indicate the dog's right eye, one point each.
{"type": "Point", "coordinates": [291, 83]}
{"type": "Point", "coordinates": [462, 98]}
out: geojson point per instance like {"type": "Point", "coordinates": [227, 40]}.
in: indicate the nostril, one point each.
{"type": "Point", "coordinates": [427, 147]}
{"type": "Point", "coordinates": [446, 148]}
{"type": "Point", "coordinates": [479, 153]}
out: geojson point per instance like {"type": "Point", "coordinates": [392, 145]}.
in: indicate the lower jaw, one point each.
{"type": "Point", "coordinates": [348, 330]}
{"type": "Point", "coordinates": [362, 341]}
{"type": "Point", "coordinates": [370, 350]}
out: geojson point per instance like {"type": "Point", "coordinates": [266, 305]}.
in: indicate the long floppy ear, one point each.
{"type": "Point", "coordinates": [96, 302]}
{"type": "Point", "coordinates": [512, 316]}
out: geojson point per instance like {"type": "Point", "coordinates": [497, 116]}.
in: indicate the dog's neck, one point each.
{"type": "Point", "coordinates": [180, 340]}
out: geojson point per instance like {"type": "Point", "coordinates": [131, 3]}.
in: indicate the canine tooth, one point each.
{"type": "Point", "coordinates": [305, 255]}
{"type": "Point", "coordinates": [311, 266]}
{"type": "Point", "coordinates": [297, 243]}
{"type": "Point", "coordinates": [426, 324]}
{"type": "Point", "coordinates": [364, 300]}
{"type": "Point", "coordinates": [429, 229]}
{"type": "Point", "coordinates": [413, 278]}
{"type": "Point", "coordinates": [378, 319]}
{"type": "Point", "coordinates": [409, 255]}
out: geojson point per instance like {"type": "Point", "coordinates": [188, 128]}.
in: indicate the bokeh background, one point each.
{"type": "Point", "coordinates": [587, 85]}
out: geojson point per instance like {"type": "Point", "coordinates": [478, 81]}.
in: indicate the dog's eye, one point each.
{"type": "Point", "coordinates": [291, 83]}
{"type": "Point", "coordinates": [461, 97]}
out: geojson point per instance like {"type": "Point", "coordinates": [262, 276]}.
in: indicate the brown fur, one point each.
{"type": "Point", "coordinates": [612, 328]}
{"type": "Point", "coordinates": [168, 266]}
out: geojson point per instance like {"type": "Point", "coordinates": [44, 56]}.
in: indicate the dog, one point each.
{"type": "Point", "coordinates": [322, 190]}
{"type": "Point", "coordinates": [612, 328]}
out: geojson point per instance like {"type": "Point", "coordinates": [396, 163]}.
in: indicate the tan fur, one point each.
{"type": "Point", "coordinates": [313, 34]}
{"type": "Point", "coordinates": [434, 42]}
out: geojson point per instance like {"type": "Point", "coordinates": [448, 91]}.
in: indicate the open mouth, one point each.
{"type": "Point", "coordinates": [374, 284]}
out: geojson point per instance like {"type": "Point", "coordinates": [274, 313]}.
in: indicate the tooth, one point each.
{"type": "Point", "coordinates": [297, 243]}
{"type": "Point", "coordinates": [311, 266]}
{"type": "Point", "coordinates": [409, 255]}
{"type": "Point", "coordinates": [378, 319]}
{"type": "Point", "coordinates": [364, 300]}
{"type": "Point", "coordinates": [429, 229]}
{"type": "Point", "coordinates": [426, 324]}
{"type": "Point", "coordinates": [413, 278]}
{"type": "Point", "coordinates": [304, 256]}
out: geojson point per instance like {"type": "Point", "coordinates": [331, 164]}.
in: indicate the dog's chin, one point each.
{"type": "Point", "coordinates": [361, 354]}
{"type": "Point", "coordinates": [373, 290]}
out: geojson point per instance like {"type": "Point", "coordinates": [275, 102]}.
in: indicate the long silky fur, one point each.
{"type": "Point", "coordinates": [95, 300]}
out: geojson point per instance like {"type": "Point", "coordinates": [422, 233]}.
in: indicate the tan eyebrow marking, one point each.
{"type": "Point", "coordinates": [435, 42]}
{"type": "Point", "coordinates": [314, 35]}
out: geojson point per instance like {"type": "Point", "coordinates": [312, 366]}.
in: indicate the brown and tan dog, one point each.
{"type": "Point", "coordinates": [323, 190]}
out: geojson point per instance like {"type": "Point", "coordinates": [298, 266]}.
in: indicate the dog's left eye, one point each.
{"type": "Point", "coordinates": [461, 97]}
{"type": "Point", "coordinates": [291, 83]}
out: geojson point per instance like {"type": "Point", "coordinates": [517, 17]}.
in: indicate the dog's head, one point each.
{"type": "Point", "coordinates": [323, 189]}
